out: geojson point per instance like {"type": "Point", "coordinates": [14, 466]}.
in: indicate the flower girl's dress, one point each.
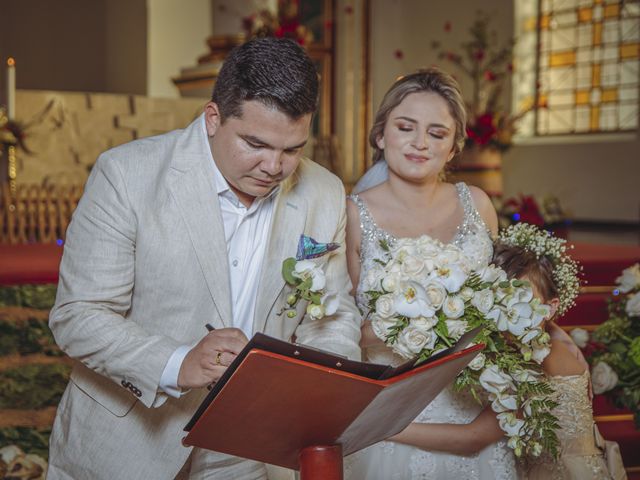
{"type": "Point", "coordinates": [390, 460]}
{"type": "Point", "coordinates": [582, 449]}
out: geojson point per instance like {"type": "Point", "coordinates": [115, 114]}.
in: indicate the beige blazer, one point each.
{"type": "Point", "coordinates": [144, 268]}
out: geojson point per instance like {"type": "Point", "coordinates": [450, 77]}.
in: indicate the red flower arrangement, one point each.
{"type": "Point", "coordinates": [488, 68]}
{"type": "Point", "coordinates": [284, 24]}
{"type": "Point", "coordinates": [546, 213]}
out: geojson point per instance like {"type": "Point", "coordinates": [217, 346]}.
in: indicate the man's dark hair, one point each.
{"type": "Point", "coordinates": [274, 71]}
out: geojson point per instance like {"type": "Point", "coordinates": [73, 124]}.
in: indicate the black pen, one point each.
{"type": "Point", "coordinates": [210, 327]}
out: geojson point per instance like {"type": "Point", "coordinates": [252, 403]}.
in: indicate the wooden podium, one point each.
{"type": "Point", "coordinates": [303, 409]}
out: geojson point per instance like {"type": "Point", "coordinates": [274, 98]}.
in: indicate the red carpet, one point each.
{"type": "Point", "coordinates": [34, 263]}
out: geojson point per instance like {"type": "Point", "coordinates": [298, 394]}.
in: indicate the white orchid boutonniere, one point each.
{"type": "Point", "coordinates": [308, 280]}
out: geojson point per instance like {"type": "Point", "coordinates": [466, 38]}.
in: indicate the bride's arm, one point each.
{"type": "Point", "coordinates": [353, 266]}
{"type": "Point", "coordinates": [485, 208]}
{"type": "Point", "coordinates": [353, 244]}
{"type": "Point", "coordinates": [457, 439]}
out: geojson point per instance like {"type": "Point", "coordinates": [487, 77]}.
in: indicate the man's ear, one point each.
{"type": "Point", "coordinates": [212, 118]}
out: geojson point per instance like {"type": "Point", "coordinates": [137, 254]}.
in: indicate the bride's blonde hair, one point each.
{"type": "Point", "coordinates": [429, 80]}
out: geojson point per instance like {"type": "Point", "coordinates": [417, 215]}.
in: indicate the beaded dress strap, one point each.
{"type": "Point", "coordinates": [471, 215]}
{"type": "Point", "coordinates": [366, 220]}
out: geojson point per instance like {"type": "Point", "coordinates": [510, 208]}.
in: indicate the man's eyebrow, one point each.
{"type": "Point", "coordinates": [254, 140]}
{"type": "Point", "coordinates": [257, 141]}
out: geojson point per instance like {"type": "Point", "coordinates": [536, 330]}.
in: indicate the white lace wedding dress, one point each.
{"type": "Point", "coordinates": [395, 461]}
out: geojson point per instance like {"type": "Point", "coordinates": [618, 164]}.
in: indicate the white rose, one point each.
{"type": "Point", "coordinates": [478, 362]}
{"type": "Point", "coordinates": [467, 293]}
{"type": "Point", "coordinates": [604, 378]}
{"type": "Point", "coordinates": [580, 337]}
{"type": "Point", "coordinates": [630, 279]}
{"type": "Point", "coordinates": [456, 328]}
{"type": "Point", "coordinates": [633, 305]}
{"type": "Point", "coordinates": [493, 380]}
{"type": "Point", "coordinates": [391, 282]}
{"type": "Point", "coordinates": [381, 326]}
{"type": "Point", "coordinates": [373, 277]}
{"type": "Point", "coordinates": [384, 305]}
{"type": "Point", "coordinates": [483, 300]}
{"type": "Point", "coordinates": [453, 307]}
{"type": "Point", "coordinates": [424, 323]}
{"type": "Point", "coordinates": [436, 294]}
{"type": "Point", "coordinates": [315, 312]}
{"type": "Point", "coordinates": [412, 266]}
{"type": "Point", "coordinates": [412, 341]}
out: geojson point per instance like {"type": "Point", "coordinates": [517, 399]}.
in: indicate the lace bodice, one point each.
{"type": "Point", "coordinates": [581, 456]}
{"type": "Point", "coordinates": [574, 412]}
{"type": "Point", "coordinates": [390, 460]}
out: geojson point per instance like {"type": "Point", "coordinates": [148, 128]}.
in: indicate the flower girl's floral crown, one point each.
{"type": "Point", "coordinates": [543, 243]}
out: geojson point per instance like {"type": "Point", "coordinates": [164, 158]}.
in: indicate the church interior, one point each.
{"type": "Point", "coordinates": [552, 87]}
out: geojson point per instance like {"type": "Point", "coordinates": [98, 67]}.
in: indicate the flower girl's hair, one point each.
{"type": "Point", "coordinates": [526, 250]}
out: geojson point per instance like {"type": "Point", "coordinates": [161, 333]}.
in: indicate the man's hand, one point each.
{"type": "Point", "coordinates": [206, 362]}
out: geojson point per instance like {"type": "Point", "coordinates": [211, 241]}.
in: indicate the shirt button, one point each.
{"type": "Point", "coordinates": [235, 263]}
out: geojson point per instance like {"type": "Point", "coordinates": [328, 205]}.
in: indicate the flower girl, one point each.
{"type": "Point", "coordinates": [528, 253]}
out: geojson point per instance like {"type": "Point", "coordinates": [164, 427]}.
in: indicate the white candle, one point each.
{"type": "Point", "coordinates": [11, 88]}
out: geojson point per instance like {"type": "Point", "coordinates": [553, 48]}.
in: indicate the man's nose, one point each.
{"type": "Point", "coordinates": [272, 163]}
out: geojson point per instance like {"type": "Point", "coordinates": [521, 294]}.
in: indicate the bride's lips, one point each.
{"type": "Point", "coordinates": [412, 157]}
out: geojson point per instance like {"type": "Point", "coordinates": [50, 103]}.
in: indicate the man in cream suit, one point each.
{"type": "Point", "coordinates": [177, 231]}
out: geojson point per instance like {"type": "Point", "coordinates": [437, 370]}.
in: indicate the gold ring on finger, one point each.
{"type": "Point", "coordinates": [218, 356]}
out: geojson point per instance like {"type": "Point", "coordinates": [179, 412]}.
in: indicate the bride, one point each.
{"type": "Point", "coordinates": [418, 129]}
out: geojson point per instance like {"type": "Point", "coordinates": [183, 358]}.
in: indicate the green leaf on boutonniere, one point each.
{"type": "Point", "coordinates": [288, 266]}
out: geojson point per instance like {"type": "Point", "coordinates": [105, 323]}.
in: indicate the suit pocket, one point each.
{"type": "Point", "coordinates": [103, 391]}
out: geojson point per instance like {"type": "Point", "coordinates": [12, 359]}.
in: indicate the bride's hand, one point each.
{"type": "Point", "coordinates": [369, 338]}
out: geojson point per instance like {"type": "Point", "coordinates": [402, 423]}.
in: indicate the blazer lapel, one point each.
{"type": "Point", "coordinates": [287, 225]}
{"type": "Point", "coordinates": [192, 184]}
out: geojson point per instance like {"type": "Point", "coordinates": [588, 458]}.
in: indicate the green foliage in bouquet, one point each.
{"type": "Point", "coordinates": [614, 347]}
{"type": "Point", "coordinates": [33, 386]}
{"type": "Point", "coordinates": [28, 296]}
{"type": "Point", "coordinates": [30, 440]}
{"type": "Point", "coordinates": [24, 338]}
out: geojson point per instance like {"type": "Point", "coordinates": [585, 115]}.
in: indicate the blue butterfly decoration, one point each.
{"type": "Point", "coordinates": [308, 248]}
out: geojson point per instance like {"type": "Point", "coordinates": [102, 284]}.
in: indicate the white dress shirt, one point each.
{"type": "Point", "coordinates": [246, 232]}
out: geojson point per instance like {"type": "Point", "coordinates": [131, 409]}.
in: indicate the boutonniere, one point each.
{"type": "Point", "coordinates": [308, 281]}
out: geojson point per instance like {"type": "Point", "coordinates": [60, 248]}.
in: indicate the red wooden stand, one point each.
{"type": "Point", "coordinates": [321, 463]}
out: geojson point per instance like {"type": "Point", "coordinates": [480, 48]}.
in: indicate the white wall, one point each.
{"type": "Point", "coordinates": [177, 34]}
{"type": "Point", "coordinates": [594, 180]}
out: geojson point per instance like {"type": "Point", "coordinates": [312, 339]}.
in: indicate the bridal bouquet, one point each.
{"type": "Point", "coordinates": [423, 296]}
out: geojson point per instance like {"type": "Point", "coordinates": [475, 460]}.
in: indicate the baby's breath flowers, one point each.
{"type": "Point", "coordinates": [542, 243]}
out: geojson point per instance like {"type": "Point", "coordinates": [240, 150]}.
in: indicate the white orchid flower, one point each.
{"type": "Point", "coordinates": [451, 276]}
{"type": "Point", "coordinates": [306, 269]}
{"type": "Point", "coordinates": [510, 424]}
{"type": "Point", "coordinates": [493, 380]}
{"type": "Point", "coordinates": [412, 301]}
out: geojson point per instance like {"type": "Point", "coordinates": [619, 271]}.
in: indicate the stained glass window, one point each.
{"type": "Point", "coordinates": [585, 71]}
